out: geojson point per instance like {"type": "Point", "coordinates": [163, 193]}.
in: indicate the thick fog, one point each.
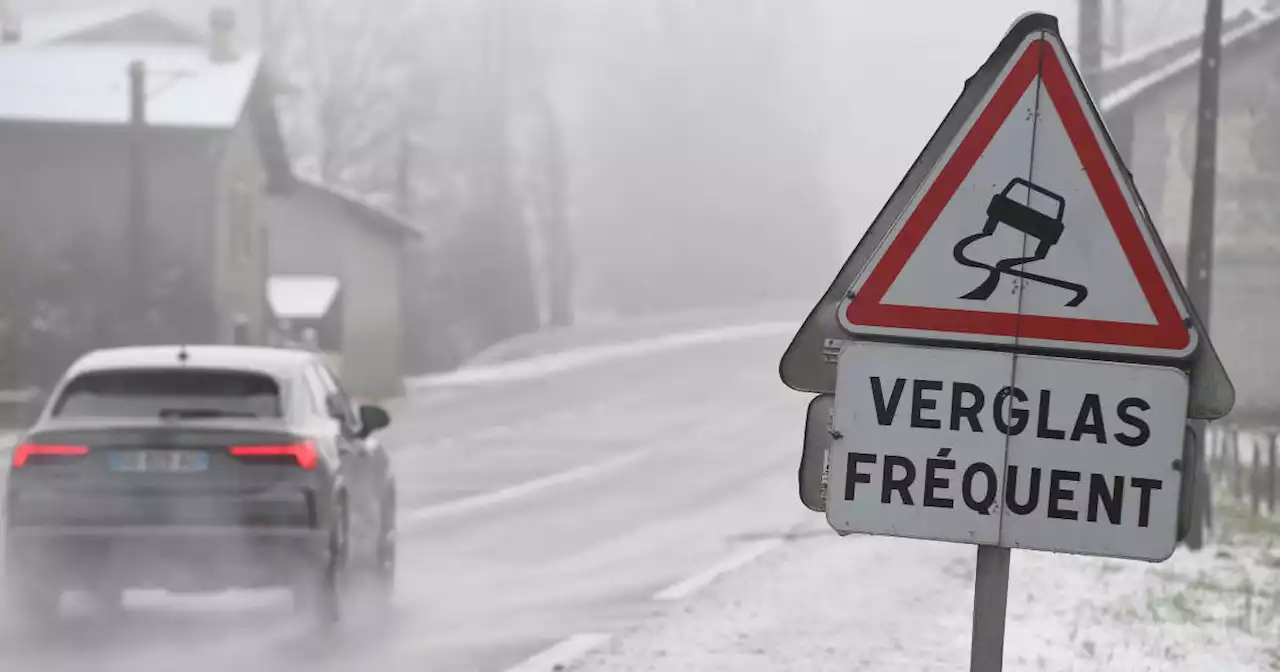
{"type": "Point", "coordinates": [663, 154]}
{"type": "Point", "coordinates": [572, 158]}
{"type": "Point", "coordinates": [555, 249]}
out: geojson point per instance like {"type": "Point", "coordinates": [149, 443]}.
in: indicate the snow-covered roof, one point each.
{"type": "Point", "coordinates": [1248, 23]}
{"type": "Point", "coordinates": [89, 84]}
{"type": "Point", "coordinates": [1152, 26]}
{"type": "Point", "coordinates": [46, 27]}
{"type": "Point", "coordinates": [361, 207]}
{"type": "Point", "coordinates": [301, 296]}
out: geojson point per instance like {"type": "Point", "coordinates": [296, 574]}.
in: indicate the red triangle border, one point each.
{"type": "Point", "coordinates": [1169, 333]}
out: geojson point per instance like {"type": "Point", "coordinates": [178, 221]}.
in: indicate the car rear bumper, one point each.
{"type": "Point", "coordinates": [172, 558]}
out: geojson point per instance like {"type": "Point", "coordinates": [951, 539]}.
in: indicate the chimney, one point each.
{"type": "Point", "coordinates": [10, 24]}
{"type": "Point", "coordinates": [222, 28]}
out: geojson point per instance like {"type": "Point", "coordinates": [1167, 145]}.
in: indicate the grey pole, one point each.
{"type": "Point", "coordinates": [138, 226]}
{"type": "Point", "coordinates": [1090, 42]}
{"type": "Point", "coordinates": [990, 599]}
{"type": "Point", "coordinates": [1199, 274]}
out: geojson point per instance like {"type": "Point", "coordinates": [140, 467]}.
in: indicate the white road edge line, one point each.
{"type": "Point", "coordinates": [703, 579]}
{"type": "Point", "coordinates": [564, 654]}
{"type": "Point", "coordinates": [457, 506]}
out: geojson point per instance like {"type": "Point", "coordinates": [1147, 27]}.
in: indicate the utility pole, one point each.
{"type": "Point", "coordinates": [404, 172]}
{"type": "Point", "coordinates": [137, 225]}
{"type": "Point", "coordinates": [1199, 274]}
{"type": "Point", "coordinates": [1090, 42]}
{"type": "Point", "coordinates": [1117, 26]}
{"type": "Point", "coordinates": [267, 34]}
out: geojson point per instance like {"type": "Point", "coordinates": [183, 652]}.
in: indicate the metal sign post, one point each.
{"type": "Point", "coordinates": [990, 600]}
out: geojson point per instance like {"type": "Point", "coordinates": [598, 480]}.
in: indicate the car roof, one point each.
{"type": "Point", "coordinates": [275, 362]}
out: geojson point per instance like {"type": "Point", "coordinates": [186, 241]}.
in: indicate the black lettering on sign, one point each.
{"type": "Point", "coordinates": [1144, 431]}
{"type": "Point", "coordinates": [1058, 494]}
{"type": "Point", "coordinates": [933, 480]}
{"type": "Point", "coordinates": [1145, 487]}
{"type": "Point", "coordinates": [962, 411]}
{"type": "Point", "coordinates": [1111, 498]}
{"type": "Point", "coordinates": [1043, 430]}
{"type": "Point", "coordinates": [886, 412]}
{"type": "Point", "coordinates": [1017, 416]}
{"type": "Point", "coordinates": [1089, 421]}
{"type": "Point", "coordinates": [891, 484]}
{"type": "Point", "coordinates": [980, 504]}
{"type": "Point", "coordinates": [1011, 491]}
{"type": "Point", "coordinates": [852, 476]}
{"type": "Point", "coordinates": [919, 404]}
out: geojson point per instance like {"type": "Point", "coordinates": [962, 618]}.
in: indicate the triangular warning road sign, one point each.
{"type": "Point", "coordinates": [1025, 234]}
{"type": "Point", "coordinates": [1017, 227]}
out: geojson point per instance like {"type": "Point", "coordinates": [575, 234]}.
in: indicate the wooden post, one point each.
{"type": "Point", "coordinates": [1271, 472]}
{"type": "Point", "coordinates": [1255, 478]}
{"type": "Point", "coordinates": [1199, 272]}
{"type": "Point", "coordinates": [1235, 463]}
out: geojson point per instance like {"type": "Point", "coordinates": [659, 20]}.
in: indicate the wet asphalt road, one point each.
{"type": "Point", "coordinates": [530, 511]}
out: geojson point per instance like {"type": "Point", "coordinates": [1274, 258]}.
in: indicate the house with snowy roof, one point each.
{"type": "Point", "coordinates": [217, 219]}
{"type": "Point", "coordinates": [1149, 98]}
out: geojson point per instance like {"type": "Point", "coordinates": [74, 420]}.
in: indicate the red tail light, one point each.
{"type": "Point", "coordinates": [304, 452]}
{"type": "Point", "coordinates": [23, 452]}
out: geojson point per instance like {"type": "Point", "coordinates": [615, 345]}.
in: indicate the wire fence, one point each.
{"type": "Point", "coordinates": [1241, 462]}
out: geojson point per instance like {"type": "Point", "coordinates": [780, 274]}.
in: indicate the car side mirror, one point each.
{"type": "Point", "coordinates": [373, 418]}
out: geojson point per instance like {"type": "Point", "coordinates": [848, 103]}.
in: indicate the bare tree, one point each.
{"type": "Point", "coordinates": [373, 79]}
{"type": "Point", "coordinates": [541, 159]}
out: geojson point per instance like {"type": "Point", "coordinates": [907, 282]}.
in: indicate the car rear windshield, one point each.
{"type": "Point", "coordinates": [170, 392]}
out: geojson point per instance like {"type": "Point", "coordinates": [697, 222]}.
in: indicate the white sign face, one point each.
{"type": "Point", "coordinates": [1026, 233]}
{"type": "Point", "coordinates": [1005, 449]}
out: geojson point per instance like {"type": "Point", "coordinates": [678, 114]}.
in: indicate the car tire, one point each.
{"type": "Point", "coordinates": [330, 595]}
{"type": "Point", "coordinates": [27, 603]}
{"type": "Point", "coordinates": [385, 557]}
{"type": "Point", "coordinates": [31, 606]}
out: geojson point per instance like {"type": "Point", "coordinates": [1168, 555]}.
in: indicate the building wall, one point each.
{"type": "Point", "coordinates": [312, 234]}
{"type": "Point", "coordinates": [64, 205]}
{"type": "Point", "coordinates": [240, 239]}
{"type": "Point", "coordinates": [1245, 311]}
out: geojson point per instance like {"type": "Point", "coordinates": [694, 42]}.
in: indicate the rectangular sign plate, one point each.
{"type": "Point", "coordinates": [1021, 451]}
{"type": "Point", "coordinates": [813, 459]}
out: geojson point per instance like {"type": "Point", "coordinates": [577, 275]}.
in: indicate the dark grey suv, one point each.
{"type": "Point", "coordinates": [198, 468]}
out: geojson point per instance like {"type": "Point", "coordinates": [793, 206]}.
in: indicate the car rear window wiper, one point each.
{"type": "Point", "coordinates": [177, 413]}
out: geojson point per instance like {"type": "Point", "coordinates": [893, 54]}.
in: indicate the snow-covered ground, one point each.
{"type": "Point", "coordinates": [539, 366]}
{"type": "Point", "coordinates": [878, 603]}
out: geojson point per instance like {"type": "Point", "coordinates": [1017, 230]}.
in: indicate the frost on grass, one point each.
{"type": "Point", "coordinates": [1218, 609]}
{"type": "Point", "coordinates": [877, 603]}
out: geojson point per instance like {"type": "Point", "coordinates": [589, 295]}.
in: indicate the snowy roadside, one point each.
{"type": "Point", "coordinates": [878, 603]}
{"type": "Point", "coordinates": [543, 365]}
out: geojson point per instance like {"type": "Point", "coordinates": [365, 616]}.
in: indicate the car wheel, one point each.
{"type": "Point", "coordinates": [27, 602]}
{"type": "Point", "coordinates": [331, 593]}
{"type": "Point", "coordinates": [29, 605]}
{"type": "Point", "coordinates": [386, 554]}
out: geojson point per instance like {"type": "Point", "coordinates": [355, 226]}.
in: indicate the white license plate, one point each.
{"type": "Point", "coordinates": [169, 461]}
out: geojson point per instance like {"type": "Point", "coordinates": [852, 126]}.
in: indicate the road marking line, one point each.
{"type": "Point", "coordinates": [457, 506]}
{"type": "Point", "coordinates": [564, 654]}
{"type": "Point", "coordinates": [703, 579]}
